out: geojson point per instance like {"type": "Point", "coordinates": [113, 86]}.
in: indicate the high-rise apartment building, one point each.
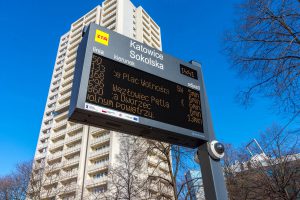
{"type": "Point", "coordinates": [195, 185]}
{"type": "Point", "coordinates": [77, 157]}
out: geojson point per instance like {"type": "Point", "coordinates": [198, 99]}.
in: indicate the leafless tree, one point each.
{"type": "Point", "coordinates": [27, 181]}
{"type": "Point", "coordinates": [40, 185]}
{"type": "Point", "coordinates": [6, 185]}
{"type": "Point", "coordinates": [149, 169]}
{"type": "Point", "coordinates": [271, 174]}
{"type": "Point", "coordinates": [264, 47]}
{"type": "Point", "coordinates": [178, 160]}
{"type": "Point", "coordinates": [98, 196]}
{"type": "Point", "coordinates": [14, 185]}
{"type": "Point", "coordinates": [128, 177]}
{"type": "Point", "coordinates": [237, 182]}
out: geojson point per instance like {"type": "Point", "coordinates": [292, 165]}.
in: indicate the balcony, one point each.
{"type": "Point", "coordinates": [70, 65]}
{"type": "Point", "coordinates": [95, 154]}
{"type": "Point", "coordinates": [51, 101]}
{"type": "Point", "coordinates": [158, 154]}
{"type": "Point", "coordinates": [109, 14]}
{"type": "Point", "coordinates": [88, 20]}
{"type": "Point", "coordinates": [76, 30]}
{"type": "Point", "coordinates": [68, 175]}
{"type": "Point", "coordinates": [93, 20]}
{"type": "Point", "coordinates": [108, 7]}
{"type": "Point", "coordinates": [60, 124]}
{"type": "Point", "coordinates": [44, 136]}
{"type": "Point", "coordinates": [155, 26]}
{"type": "Point", "coordinates": [50, 109]}
{"type": "Point", "coordinates": [100, 140]}
{"type": "Point", "coordinates": [77, 24]}
{"type": "Point", "coordinates": [60, 116]}
{"type": "Point", "coordinates": [40, 155]}
{"type": "Point", "coordinates": [166, 190]}
{"type": "Point", "coordinates": [74, 39]}
{"type": "Point", "coordinates": [36, 177]}
{"type": "Point", "coordinates": [74, 128]}
{"type": "Point", "coordinates": [54, 167]}
{"type": "Point", "coordinates": [42, 145]}
{"type": "Point", "coordinates": [97, 167]}
{"type": "Point", "coordinates": [66, 89]}
{"type": "Point", "coordinates": [160, 187]}
{"type": "Point", "coordinates": [48, 126]}
{"type": "Point", "coordinates": [108, 18]}
{"type": "Point", "coordinates": [71, 162]}
{"type": "Point", "coordinates": [48, 193]}
{"type": "Point", "coordinates": [69, 188]}
{"type": "Point", "coordinates": [62, 106]}
{"type": "Point", "coordinates": [69, 73]}
{"type": "Point", "coordinates": [56, 78]}
{"type": "Point", "coordinates": [54, 156]}
{"type": "Point", "coordinates": [94, 130]}
{"type": "Point", "coordinates": [74, 45]}
{"type": "Point", "coordinates": [47, 118]}
{"type": "Point", "coordinates": [148, 41]}
{"type": "Point", "coordinates": [159, 173]}
{"type": "Point", "coordinates": [155, 40]}
{"type": "Point", "coordinates": [38, 165]}
{"type": "Point", "coordinates": [154, 45]}
{"type": "Point", "coordinates": [156, 36]}
{"type": "Point", "coordinates": [145, 19]}
{"type": "Point", "coordinates": [57, 145]}
{"type": "Point", "coordinates": [108, 3]}
{"type": "Point", "coordinates": [72, 150]}
{"type": "Point", "coordinates": [58, 134]}
{"type": "Point", "coordinates": [74, 138]}
{"type": "Point", "coordinates": [67, 81]}
{"type": "Point", "coordinates": [75, 33]}
{"type": "Point", "coordinates": [58, 71]}
{"type": "Point", "coordinates": [56, 84]}
{"type": "Point", "coordinates": [157, 162]}
{"type": "Point", "coordinates": [71, 56]}
{"type": "Point", "coordinates": [112, 27]}
{"type": "Point", "coordinates": [96, 182]}
{"type": "Point", "coordinates": [50, 180]}
{"type": "Point", "coordinates": [109, 22]}
{"type": "Point", "coordinates": [92, 12]}
{"type": "Point", "coordinates": [146, 27]}
{"type": "Point", "coordinates": [65, 96]}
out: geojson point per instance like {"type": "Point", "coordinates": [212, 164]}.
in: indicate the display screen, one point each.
{"type": "Point", "coordinates": [123, 88]}
{"type": "Point", "coordinates": [188, 72]}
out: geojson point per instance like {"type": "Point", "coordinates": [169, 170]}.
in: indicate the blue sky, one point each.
{"type": "Point", "coordinates": [29, 36]}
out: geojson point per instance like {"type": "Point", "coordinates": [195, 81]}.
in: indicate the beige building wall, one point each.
{"type": "Point", "coordinates": [74, 159]}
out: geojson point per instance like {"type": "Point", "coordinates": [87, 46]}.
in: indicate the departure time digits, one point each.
{"type": "Point", "coordinates": [126, 89]}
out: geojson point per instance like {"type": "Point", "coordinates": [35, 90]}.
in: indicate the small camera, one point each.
{"type": "Point", "coordinates": [216, 150]}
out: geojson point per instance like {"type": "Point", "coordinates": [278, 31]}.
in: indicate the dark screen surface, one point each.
{"type": "Point", "coordinates": [123, 88]}
{"type": "Point", "coordinates": [188, 72]}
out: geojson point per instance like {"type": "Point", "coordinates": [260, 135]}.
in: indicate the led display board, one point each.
{"type": "Point", "coordinates": [123, 85]}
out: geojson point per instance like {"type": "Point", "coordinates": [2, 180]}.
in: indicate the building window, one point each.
{"type": "Point", "coordinates": [100, 175]}
{"type": "Point", "coordinates": [98, 190]}
{"type": "Point", "coordinates": [101, 161]}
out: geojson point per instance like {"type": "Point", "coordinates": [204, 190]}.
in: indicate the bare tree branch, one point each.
{"type": "Point", "coordinates": [264, 47]}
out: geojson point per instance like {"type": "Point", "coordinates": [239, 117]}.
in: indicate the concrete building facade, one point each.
{"type": "Point", "coordinates": [195, 185]}
{"type": "Point", "coordinates": [74, 159]}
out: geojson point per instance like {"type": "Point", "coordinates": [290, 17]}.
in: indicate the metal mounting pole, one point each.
{"type": "Point", "coordinates": [211, 169]}
{"type": "Point", "coordinates": [212, 176]}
